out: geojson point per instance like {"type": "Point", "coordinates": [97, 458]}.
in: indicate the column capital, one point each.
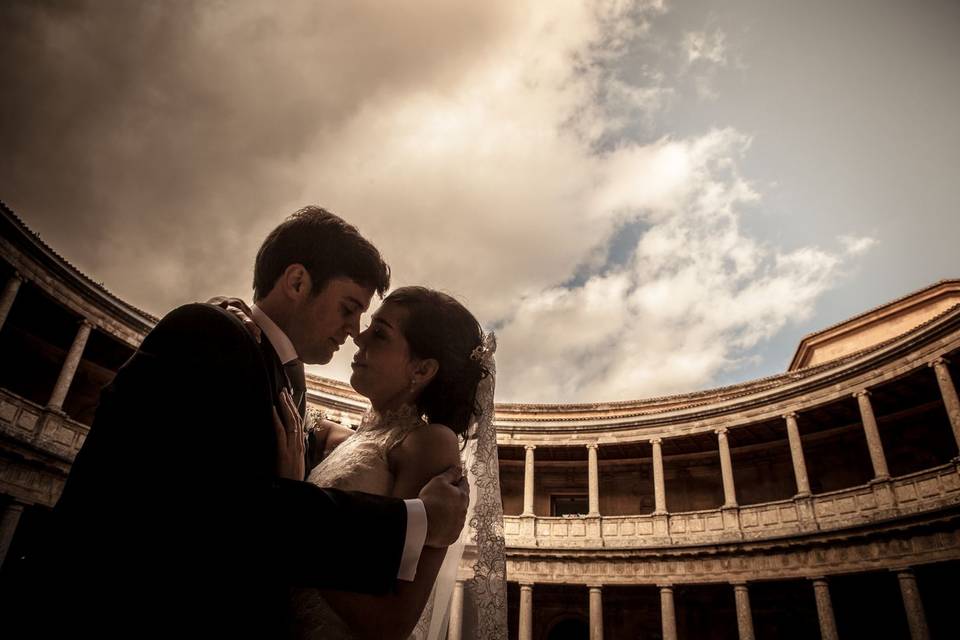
{"type": "Point", "coordinates": [529, 447]}
{"type": "Point", "coordinates": [526, 586]}
{"type": "Point", "coordinates": [665, 587]}
{"type": "Point", "coordinates": [656, 441]}
{"type": "Point", "coordinates": [790, 415]}
{"type": "Point", "coordinates": [595, 587]}
{"type": "Point", "coordinates": [816, 579]}
{"type": "Point", "coordinates": [722, 431]}
{"type": "Point", "coordinates": [862, 393]}
{"type": "Point", "coordinates": [739, 586]}
{"type": "Point", "coordinates": [939, 361]}
{"type": "Point", "coordinates": [593, 445]}
{"type": "Point", "coordinates": [906, 572]}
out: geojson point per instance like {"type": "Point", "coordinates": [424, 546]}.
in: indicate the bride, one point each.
{"type": "Point", "coordinates": [427, 370]}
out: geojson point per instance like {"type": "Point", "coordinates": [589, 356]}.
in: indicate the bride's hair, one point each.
{"type": "Point", "coordinates": [439, 327]}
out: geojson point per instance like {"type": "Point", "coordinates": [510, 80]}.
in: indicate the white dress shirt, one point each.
{"type": "Point", "coordinates": [416, 513]}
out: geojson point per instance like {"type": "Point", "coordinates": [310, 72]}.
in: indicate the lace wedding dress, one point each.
{"type": "Point", "coordinates": [360, 464]}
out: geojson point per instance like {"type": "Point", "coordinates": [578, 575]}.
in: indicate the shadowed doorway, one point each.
{"type": "Point", "coordinates": [570, 629]}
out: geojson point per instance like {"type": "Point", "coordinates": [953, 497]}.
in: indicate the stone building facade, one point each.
{"type": "Point", "coordinates": [821, 502]}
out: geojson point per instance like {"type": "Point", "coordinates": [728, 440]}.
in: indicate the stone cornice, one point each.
{"type": "Point", "coordinates": [19, 241]}
{"type": "Point", "coordinates": [809, 342]}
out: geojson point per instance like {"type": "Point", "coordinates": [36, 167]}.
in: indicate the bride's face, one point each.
{"type": "Point", "coordinates": [383, 368]}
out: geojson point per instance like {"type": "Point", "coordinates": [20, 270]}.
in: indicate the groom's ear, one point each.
{"type": "Point", "coordinates": [296, 280]}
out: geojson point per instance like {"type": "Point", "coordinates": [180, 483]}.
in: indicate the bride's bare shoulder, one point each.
{"type": "Point", "coordinates": [430, 447]}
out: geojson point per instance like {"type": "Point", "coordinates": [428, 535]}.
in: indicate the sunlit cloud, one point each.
{"type": "Point", "coordinates": [479, 145]}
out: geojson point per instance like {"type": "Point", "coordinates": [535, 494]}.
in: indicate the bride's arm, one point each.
{"type": "Point", "coordinates": [425, 453]}
{"type": "Point", "coordinates": [330, 435]}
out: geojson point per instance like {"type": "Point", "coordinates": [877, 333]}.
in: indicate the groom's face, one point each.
{"type": "Point", "coordinates": [322, 322]}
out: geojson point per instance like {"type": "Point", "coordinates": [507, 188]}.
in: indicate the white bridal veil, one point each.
{"type": "Point", "coordinates": [470, 595]}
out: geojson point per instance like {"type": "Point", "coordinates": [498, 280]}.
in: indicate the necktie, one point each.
{"type": "Point", "coordinates": [298, 382]}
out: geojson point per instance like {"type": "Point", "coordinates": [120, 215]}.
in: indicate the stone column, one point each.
{"type": "Point", "coordinates": [659, 491]}
{"type": "Point", "coordinates": [726, 468]}
{"type": "Point", "coordinates": [596, 613]}
{"type": "Point", "coordinates": [913, 605]}
{"type": "Point", "coordinates": [870, 430]}
{"type": "Point", "coordinates": [9, 295]}
{"type": "Point", "coordinates": [949, 393]}
{"type": "Point", "coordinates": [526, 612]}
{"type": "Point", "coordinates": [828, 624]}
{"type": "Point", "coordinates": [8, 527]}
{"type": "Point", "coordinates": [744, 616]}
{"type": "Point", "coordinates": [668, 618]}
{"type": "Point", "coordinates": [528, 480]}
{"type": "Point", "coordinates": [593, 480]}
{"type": "Point", "coordinates": [455, 627]}
{"type": "Point", "coordinates": [69, 367]}
{"type": "Point", "coordinates": [796, 454]}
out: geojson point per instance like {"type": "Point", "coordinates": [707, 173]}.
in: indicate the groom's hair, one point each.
{"type": "Point", "coordinates": [326, 245]}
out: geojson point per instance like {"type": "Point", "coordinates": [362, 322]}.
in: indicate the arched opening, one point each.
{"type": "Point", "coordinates": [574, 628]}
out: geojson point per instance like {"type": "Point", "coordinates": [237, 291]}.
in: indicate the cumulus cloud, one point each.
{"type": "Point", "coordinates": [475, 143]}
{"type": "Point", "coordinates": [696, 295]}
{"type": "Point", "coordinates": [707, 47]}
{"type": "Point", "coordinates": [704, 53]}
{"type": "Point", "coordinates": [856, 245]}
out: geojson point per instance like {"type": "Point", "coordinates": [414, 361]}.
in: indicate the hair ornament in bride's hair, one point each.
{"type": "Point", "coordinates": [485, 350]}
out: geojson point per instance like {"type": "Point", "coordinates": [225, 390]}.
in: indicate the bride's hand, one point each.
{"type": "Point", "coordinates": [241, 311]}
{"type": "Point", "coordinates": [289, 430]}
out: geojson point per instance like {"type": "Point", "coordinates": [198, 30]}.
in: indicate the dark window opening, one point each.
{"type": "Point", "coordinates": [569, 505]}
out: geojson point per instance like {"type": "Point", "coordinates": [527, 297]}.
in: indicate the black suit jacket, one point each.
{"type": "Point", "coordinates": [172, 519]}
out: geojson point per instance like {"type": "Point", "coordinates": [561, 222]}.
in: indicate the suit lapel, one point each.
{"type": "Point", "coordinates": [279, 381]}
{"type": "Point", "coordinates": [278, 377]}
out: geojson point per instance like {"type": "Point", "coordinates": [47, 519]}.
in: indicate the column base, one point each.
{"type": "Point", "coordinates": [731, 521]}
{"type": "Point", "coordinates": [594, 530]}
{"type": "Point", "coordinates": [805, 512]}
{"type": "Point", "coordinates": [883, 490]}
{"type": "Point", "coordinates": [661, 526]}
{"type": "Point", "coordinates": [528, 530]}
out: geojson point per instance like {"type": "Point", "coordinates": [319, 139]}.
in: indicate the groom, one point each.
{"type": "Point", "coordinates": [173, 521]}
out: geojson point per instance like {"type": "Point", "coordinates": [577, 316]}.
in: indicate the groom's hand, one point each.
{"type": "Point", "coordinates": [445, 499]}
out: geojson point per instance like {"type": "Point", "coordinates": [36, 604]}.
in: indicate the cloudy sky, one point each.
{"type": "Point", "coordinates": [642, 198]}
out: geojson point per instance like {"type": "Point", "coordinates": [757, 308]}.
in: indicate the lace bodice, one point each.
{"type": "Point", "coordinates": [360, 463]}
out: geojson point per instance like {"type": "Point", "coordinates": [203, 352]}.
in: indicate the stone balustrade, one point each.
{"type": "Point", "coordinates": [46, 429]}
{"type": "Point", "coordinates": [924, 491]}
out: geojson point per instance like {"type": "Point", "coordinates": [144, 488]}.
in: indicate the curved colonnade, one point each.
{"type": "Point", "coordinates": [844, 468]}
